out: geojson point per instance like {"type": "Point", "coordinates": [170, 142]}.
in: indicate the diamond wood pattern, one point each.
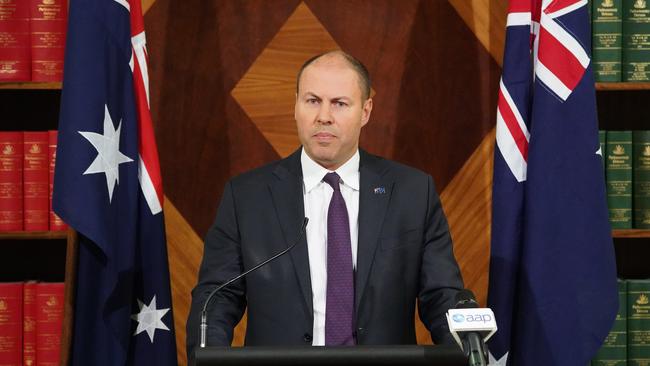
{"type": "Point", "coordinates": [267, 92]}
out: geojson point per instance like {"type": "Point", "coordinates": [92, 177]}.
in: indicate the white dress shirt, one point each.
{"type": "Point", "coordinates": [317, 195]}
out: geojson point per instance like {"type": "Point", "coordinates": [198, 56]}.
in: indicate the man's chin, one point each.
{"type": "Point", "coordinates": [323, 158]}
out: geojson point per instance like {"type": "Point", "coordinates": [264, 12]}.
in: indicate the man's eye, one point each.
{"type": "Point", "coordinates": [340, 104]}
{"type": "Point", "coordinates": [312, 101]}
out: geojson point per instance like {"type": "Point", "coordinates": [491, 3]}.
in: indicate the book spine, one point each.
{"type": "Point", "coordinates": [49, 323]}
{"type": "Point", "coordinates": [619, 178]}
{"type": "Point", "coordinates": [607, 40]}
{"type": "Point", "coordinates": [14, 41]}
{"type": "Point", "coordinates": [638, 322]}
{"type": "Point", "coordinates": [641, 179]}
{"type": "Point", "coordinates": [36, 181]}
{"type": "Point", "coordinates": [29, 324]}
{"type": "Point", "coordinates": [636, 40]}
{"type": "Point", "coordinates": [11, 181]}
{"type": "Point", "coordinates": [48, 27]}
{"type": "Point", "coordinates": [56, 224]}
{"type": "Point", "coordinates": [614, 349]}
{"type": "Point", "coordinates": [11, 323]}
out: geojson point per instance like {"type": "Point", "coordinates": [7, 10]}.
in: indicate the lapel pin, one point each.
{"type": "Point", "coordinates": [380, 190]}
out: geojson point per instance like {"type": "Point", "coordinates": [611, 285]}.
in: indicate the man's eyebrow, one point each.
{"type": "Point", "coordinates": [310, 94]}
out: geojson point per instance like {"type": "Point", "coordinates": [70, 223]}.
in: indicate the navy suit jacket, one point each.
{"type": "Point", "coordinates": [404, 253]}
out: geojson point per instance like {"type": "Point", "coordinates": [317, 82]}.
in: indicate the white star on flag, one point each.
{"type": "Point", "coordinates": [149, 318]}
{"type": "Point", "coordinates": [109, 156]}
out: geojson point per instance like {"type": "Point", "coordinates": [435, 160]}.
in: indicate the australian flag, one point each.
{"type": "Point", "coordinates": [552, 269]}
{"type": "Point", "coordinates": [108, 188]}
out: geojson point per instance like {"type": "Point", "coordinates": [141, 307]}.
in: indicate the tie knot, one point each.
{"type": "Point", "coordinates": [333, 180]}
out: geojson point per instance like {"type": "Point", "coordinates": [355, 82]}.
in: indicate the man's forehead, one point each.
{"type": "Point", "coordinates": [318, 78]}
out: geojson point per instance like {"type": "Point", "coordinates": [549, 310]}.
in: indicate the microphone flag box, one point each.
{"type": "Point", "coordinates": [480, 320]}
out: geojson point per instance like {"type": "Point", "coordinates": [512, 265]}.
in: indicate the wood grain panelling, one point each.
{"type": "Point", "coordinates": [197, 56]}
{"type": "Point", "coordinates": [267, 92]}
{"type": "Point", "coordinates": [146, 5]}
{"type": "Point", "coordinates": [467, 201]}
{"type": "Point", "coordinates": [377, 33]}
{"type": "Point", "coordinates": [447, 95]}
{"type": "Point", "coordinates": [487, 20]}
{"type": "Point", "coordinates": [184, 250]}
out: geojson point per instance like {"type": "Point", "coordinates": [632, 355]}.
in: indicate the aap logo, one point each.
{"type": "Point", "coordinates": [458, 318]}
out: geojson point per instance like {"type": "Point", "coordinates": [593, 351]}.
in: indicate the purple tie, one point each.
{"type": "Point", "coordinates": [339, 308]}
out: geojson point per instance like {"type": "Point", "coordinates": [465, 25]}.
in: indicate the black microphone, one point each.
{"type": "Point", "coordinates": [204, 312]}
{"type": "Point", "coordinates": [473, 345]}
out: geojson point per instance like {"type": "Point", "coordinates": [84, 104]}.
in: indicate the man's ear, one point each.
{"type": "Point", "coordinates": [365, 111]}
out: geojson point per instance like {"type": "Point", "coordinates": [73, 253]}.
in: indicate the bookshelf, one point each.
{"type": "Point", "coordinates": [622, 86]}
{"type": "Point", "coordinates": [31, 86]}
{"type": "Point", "coordinates": [33, 235]}
{"type": "Point", "coordinates": [48, 256]}
{"type": "Point", "coordinates": [623, 106]}
{"type": "Point", "coordinates": [631, 233]}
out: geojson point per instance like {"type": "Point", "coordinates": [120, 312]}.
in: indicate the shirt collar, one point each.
{"type": "Point", "coordinates": [313, 173]}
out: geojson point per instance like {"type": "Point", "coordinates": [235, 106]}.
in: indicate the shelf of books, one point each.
{"type": "Point", "coordinates": [621, 64]}
{"type": "Point", "coordinates": [37, 250]}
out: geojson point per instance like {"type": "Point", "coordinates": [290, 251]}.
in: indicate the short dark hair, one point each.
{"type": "Point", "coordinates": [357, 66]}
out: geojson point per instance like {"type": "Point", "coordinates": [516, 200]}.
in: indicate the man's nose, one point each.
{"type": "Point", "coordinates": [324, 114]}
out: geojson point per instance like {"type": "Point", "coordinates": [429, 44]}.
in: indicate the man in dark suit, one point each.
{"type": "Point", "coordinates": [377, 237]}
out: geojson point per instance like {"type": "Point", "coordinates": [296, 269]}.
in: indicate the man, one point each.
{"type": "Point", "coordinates": [377, 238]}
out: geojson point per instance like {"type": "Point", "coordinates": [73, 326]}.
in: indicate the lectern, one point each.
{"type": "Point", "coordinates": [443, 355]}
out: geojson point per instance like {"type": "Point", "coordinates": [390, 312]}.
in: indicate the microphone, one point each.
{"type": "Point", "coordinates": [204, 313]}
{"type": "Point", "coordinates": [471, 326]}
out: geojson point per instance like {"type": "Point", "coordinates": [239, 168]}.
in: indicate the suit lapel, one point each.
{"type": "Point", "coordinates": [374, 195]}
{"type": "Point", "coordinates": [287, 194]}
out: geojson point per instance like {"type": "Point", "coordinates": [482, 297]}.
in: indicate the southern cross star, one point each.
{"type": "Point", "coordinates": [109, 156]}
{"type": "Point", "coordinates": [149, 318]}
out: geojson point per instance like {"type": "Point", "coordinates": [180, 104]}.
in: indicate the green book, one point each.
{"type": "Point", "coordinates": [602, 137]}
{"type": "Point", "coordinates": [641, 157]}
{"type": "Point", "coordinates": [619, 178]}
{"type": "Point", "coordinates": [636, 40]}
{"type": "Point", "coordinates": [614, 349]}
{"type": "Point", "coordinates": [638, 322]}
{"type": "Point", "coordinates": [607, 39]}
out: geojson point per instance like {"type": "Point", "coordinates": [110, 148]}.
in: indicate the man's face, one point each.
{"type": "Point", "coordinates": [330, 112]}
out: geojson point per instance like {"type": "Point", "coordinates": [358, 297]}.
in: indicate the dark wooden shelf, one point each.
{"type": "Point", "coordinates": [31, 85]}
{"type": "Point", "coordinates": [631, 233]}
{"type": "Point", "coordinates": [623, 86]}
{"type": "Point", "coordinates": [30, 235]}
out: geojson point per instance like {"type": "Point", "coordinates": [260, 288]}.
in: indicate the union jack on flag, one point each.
{"type": "Point", "coordinates": [552, 268]}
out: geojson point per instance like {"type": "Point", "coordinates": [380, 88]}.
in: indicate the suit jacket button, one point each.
{"type": "Point", "coordinates": [307, 338]}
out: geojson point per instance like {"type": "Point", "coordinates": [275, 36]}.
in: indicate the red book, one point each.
{"type": "Point", "coordinates": [49, 323]}
{"type": "Point", "coordinates": [15, 64]}
{"type": "Point", "coordinates": [48, 25]}
{"type": "Point", "coordinates": [36, 178]}
{"type": "Point", "coordinates": [11, 323]}
{"type": "Point", "coordinates": [29, 324]}
{"type": "Point", "coordinates": [11, 181]}
{"type": "Point", "coordinates": [56, 224]}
